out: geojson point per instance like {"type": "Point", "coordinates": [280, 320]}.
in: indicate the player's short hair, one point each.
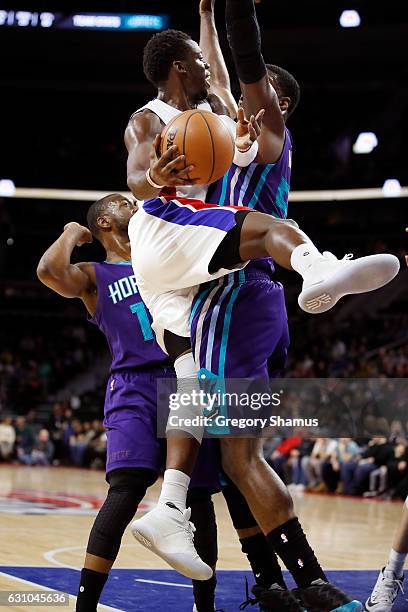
{"type": "Point", "coordinates": [161, 51]}
{"type": "Point", "coordinates": [288, 85]}
{"type": "Point", "coordinates": [97, 209]}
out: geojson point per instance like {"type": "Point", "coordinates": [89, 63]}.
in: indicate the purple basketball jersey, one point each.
{"type": "Point", "coordinates": [124, 319]}
{"type": "Point", "coordinates": [237, 323]}
{"type": "Point", "coordinates": [131, 392]}
{"type": "Point", "coordinates": [263, 187]}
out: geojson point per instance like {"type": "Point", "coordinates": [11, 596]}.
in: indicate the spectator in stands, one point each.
{"type": "Point", "coordinates": [7, 438]}
{"type": "Point", "coordinates": [346, 451]}
{"type": "Point", "coordinates": [355, 474]}
{"type": "Point", "coordinates": [32, 421]}
{"type": "Point", "coordinates": [77, 443]}
{"type": "Point", "coordinates": [397, 468]}
{"type": "Point", "coordinates": [323, 450]}
{"type": "Point", "coordinates": [42, 452]}
{"type": "Point", "coordinates": [25, 438]}
{"type": "Point", "coordinates": [279, 458]}
{"type": "Point", "coordinates": [296, 455]}
{"type": "Point", "coordinates": [95, 453]}
{"type": "Point", "coordinates": [56, 429]}
{"type": "Point", "coordinates": [397, 431]}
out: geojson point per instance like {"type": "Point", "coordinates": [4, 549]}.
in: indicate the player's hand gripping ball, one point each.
{"type": "Point", "coordinates": [205, 142]}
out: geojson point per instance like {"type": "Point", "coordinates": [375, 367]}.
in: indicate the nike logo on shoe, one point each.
{"type": "Point", "coordinates": [171, 505]}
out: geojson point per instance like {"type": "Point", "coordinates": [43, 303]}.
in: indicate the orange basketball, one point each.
{"type": "Point", "coordinates": [204, 139]}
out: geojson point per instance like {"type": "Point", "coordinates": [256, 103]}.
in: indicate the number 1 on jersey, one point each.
{"type": "Point", "coordinates": [139, 309]}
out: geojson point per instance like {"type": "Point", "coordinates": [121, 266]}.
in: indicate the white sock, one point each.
{"type": "Point", "coordinates": [303, 256]}
{"type": "Point", "coordinates": [185, 366]}
{"type": "Point", "coordinates": [396, 563]}
{"type": "Point", "coordinates": [174, 488]}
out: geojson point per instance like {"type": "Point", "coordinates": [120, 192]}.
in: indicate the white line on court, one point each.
{"type": "Point", "coordinates": [44, 588]}
{"type": "Point", "coordinates": [175, 584]}
{"type": "Point", "coordinates": [50, 557]}
{"type": "Point", "coordinates": [50, 554]}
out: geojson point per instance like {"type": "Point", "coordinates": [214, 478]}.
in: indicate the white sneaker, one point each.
{"type": "Point", "coordinates": [167, 531]}
{"type": "Point", "coordinates": [385, 592]}
{"type": "Point", "coordinates": [328, 279]}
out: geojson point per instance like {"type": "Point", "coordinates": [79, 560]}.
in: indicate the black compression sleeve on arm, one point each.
{"type": "Point", "coordinates": [244, 38]}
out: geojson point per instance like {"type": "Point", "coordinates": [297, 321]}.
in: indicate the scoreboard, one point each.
{"type": "Point", "coordinates": [84, 21]}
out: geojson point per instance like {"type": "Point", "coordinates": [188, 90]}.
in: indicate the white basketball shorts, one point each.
{"type": "Point", "coordinates": [172, 243]}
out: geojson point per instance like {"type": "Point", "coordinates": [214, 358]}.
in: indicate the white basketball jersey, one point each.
{"type": "Point", "coordinates": [166, 113]}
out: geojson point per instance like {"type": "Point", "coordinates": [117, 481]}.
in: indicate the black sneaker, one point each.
{"type": "Point", "coordinates": [322, 596]}
{"type": "Point", "coordinates": [275, 598]}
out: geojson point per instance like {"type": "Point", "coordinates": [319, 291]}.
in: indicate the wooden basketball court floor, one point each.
{"type": "Point", "coordinates": [46, 515]}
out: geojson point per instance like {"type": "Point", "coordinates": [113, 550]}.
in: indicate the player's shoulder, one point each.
{"type": "Point", "coordinates": [143, 125]}
{"type": "Point", "coordinates": [145, 120]}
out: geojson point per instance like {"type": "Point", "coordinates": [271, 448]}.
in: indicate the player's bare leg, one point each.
{"type": "Point", "coordinates": [391, 577]}
{"type": "Point", "coordinates": [244, 463]}
{"type": "Point", "coordinates": [182, 452]}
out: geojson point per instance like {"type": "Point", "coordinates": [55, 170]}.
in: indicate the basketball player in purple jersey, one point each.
{"type": "Point", "coordinates": [134, 455]}
{"type": "Point", "coordinates": [178, 245]}
{"type": "Point", "coordinates": [227, 339]}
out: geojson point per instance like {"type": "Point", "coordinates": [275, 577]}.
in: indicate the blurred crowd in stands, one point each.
{"type": "Point", "coordinates": [374, 467]}
{"type": "Point", "coordinates": [63, 440]}
{"type": "Point", "coordinates": [35, 364]}
{"type": "Point", "coordinates": [358, 347]}
{"type": "Point", "coordinates": [371, 467]}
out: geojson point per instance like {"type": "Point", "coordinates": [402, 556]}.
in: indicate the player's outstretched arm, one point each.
{"type": "Point", "coordinates": [55, 269]}
{"type": "Point", "coordinates": [245, 42]}
{"type": "Point", "coordinates": [210, 46]}
{"type": "Point", "coordinates": [147, 173]}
